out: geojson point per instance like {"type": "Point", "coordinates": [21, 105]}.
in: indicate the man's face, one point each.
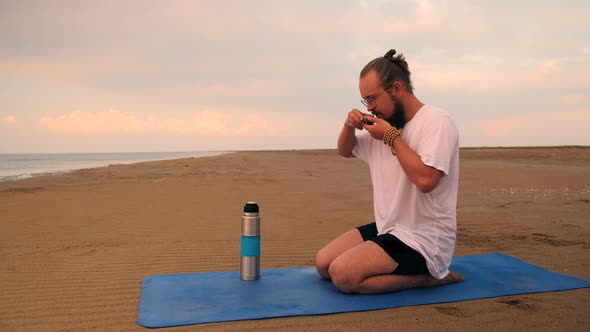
{"type": "Point", "coordinates": [381, 103]}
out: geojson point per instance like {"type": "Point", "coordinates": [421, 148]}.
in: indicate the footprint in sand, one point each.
{"type": "Point", "coordinates": [526, 304]}
{"type": "Point", "coordinates": [451, 311]}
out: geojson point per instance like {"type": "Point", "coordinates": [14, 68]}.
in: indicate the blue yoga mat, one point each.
{"type": "Point", "coordinates": [195, 298]}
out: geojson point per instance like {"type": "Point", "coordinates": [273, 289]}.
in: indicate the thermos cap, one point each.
{"type": "Point", "coordinates": [251, 207]}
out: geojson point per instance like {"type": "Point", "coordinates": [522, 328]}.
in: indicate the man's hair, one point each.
{"type": "Point", "coordinates": [390, 68]}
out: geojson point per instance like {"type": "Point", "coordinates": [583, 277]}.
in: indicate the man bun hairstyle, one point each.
{"type": "Point", "coordinates": [390, 68]}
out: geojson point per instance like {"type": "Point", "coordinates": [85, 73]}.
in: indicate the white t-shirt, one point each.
{"type": "Point", "coordinates": [425, 222]}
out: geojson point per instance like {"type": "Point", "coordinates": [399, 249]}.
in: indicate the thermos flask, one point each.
{"type": "Point", "coordinates": [250, 243]}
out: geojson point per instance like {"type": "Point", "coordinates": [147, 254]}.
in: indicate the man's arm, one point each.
{"type": "Point", "coordinates": [425, 177]}
{"type": "Point", "coordinates": [347, 138]}
{"type": "Point", "coordinates": [346, 142]}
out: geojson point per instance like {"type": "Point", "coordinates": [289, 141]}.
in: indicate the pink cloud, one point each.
{"type": "Point", "coordinates": [73, 68]}
{"type": "Point", "coordinates": [212, 123]}
{"type": "Point", "coordinates": [501, 127]}
{"type": "Point", "coordinates": [562, 127]}
{"type": "Point", "coordinates": [573, 99]}
{"type": "Point", "coordinates": [551, 65]}
{"type": "Point", "coordinates": [9, 120]}
{"type": "Point", "coordinates": [109, 121]}
{"type": "Point", "coordinates": [247, 89]}
{"type": "Point", "coordinates": [484, 77]}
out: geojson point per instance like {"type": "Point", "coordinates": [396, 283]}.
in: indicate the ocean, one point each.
{"type": "Point", "coordinates": [22, 166]}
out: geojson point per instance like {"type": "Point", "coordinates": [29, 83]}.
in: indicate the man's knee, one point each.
{"type": "Point", "coordinates": [343, 277]}
{"type": "Point", "coordinates": [322, 264]}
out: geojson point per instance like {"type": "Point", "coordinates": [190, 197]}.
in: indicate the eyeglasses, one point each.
{"type": "Point", "coordinates": [371, 100]}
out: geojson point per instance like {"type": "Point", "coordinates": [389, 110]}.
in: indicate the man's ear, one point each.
{"type": "Point", "coordinates": [397, 87]}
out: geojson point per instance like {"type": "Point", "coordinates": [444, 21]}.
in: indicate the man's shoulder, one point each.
{"type": "Point", "coordinates": [436, 116]}
{"type": "Point", "coordinates": [437, 119]}
{"type": "Point", "coordinates": [435, 111]}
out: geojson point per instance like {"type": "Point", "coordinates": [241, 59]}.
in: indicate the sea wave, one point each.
{"type": "Point", "coordinates": [16, 167]}
{"type": "Point", "coordinates": [28, 175]}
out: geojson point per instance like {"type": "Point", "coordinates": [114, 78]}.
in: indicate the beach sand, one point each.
{"type": "Point", "coordinates": [74, 248]}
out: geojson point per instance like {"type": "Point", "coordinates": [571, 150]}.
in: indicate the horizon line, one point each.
{"type": "Point", "coordinates": [570, 146]}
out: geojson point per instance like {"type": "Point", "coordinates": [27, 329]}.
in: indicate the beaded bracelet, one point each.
{"type": "Point", "coordinates": [390, 136]}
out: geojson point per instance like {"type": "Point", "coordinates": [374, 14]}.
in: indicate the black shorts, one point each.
{"type": "Point", "coordinates": [410, 261]}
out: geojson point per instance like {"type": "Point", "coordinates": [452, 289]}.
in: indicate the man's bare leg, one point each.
{"type": "Point", "coordinates": [339, 245]}
{"type": "Point", "coordinates": [373, 285]}
{"type": "Point", "coordinates": [366, 269]}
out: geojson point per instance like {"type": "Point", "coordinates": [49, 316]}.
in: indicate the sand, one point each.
{"type": "Point", "coordinates": [74, 248]}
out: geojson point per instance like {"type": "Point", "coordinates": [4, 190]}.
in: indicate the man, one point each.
{"type": "Point", "coordinates": [412, 150]}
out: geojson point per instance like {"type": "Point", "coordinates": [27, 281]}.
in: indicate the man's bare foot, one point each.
{"type": "Point", "coordinates": [451, 278]}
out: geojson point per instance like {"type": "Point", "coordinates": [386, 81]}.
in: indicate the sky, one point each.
{"type": "Point", "coordinates": [125, 76]}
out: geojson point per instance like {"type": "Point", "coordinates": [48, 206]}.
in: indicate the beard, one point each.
{"type": "Point", "coordinates": [398, 115]}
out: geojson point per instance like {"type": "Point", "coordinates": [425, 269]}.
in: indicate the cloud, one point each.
{"type": "Point", "coordinates": [184, 73]}
{"type": "Point", "coordinates": [206, 122]}
{"type": "Point", "coordinates": [9, 121]}
{"type": "Point", "coordinates": [109, 121]}
{"type": "Point", "coordinates": [574, 99]}
{"type": "Point", "coordinates": [247, 89]}
{"type": "Point", "coordinates": [461, 45]}
{"type": "Point", "coordinates": [540, 128]}
{"type": "Point", "coordinates": [486, 76]}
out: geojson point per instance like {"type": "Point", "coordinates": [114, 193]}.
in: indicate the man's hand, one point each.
{"type": "Point", "coordinates": [354, 119]}
{"type": "Point", "coordinates": [378, 128]}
